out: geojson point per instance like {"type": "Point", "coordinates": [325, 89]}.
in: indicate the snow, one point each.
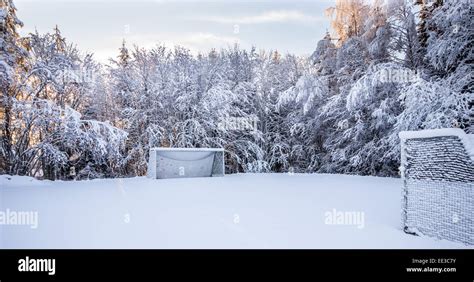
{"type": "Point", "coordinates": [188, 149]}
{"type": "Point", "coordinates": [235, 211]}
{"type": "Point", "coordinates": [432, 133]}
{"type": "Point", "coordinates": [339, 111]}
{"type": "Point", "coordinates": [466, 139]}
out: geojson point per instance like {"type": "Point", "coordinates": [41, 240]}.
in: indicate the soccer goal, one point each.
{"type": "Point", "coordinates": [185, 162]}
{"type": "Point", "coordinates": [438, 176]}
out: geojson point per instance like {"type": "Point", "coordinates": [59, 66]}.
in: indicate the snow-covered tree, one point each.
{"type": "Point", "coordinates": [348, 18]}
{"type": "Point", "coordinates": [66, 116]}
{"type": "Point", "coordinates": [450, 55]}
{"type": "Point", "coordinates": [404, 45]}
{"type": "Point", "coordinates": [13, 67]}
{"type": "Point", "coordinates": [324, 56]}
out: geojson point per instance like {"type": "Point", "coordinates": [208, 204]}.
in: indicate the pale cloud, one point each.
{"type": "Point", "coordinates": [267, 17]}
{"type": "Point", "coordinates": [195, 42]}
{"type": "Point", "coordinates": [209, 39]}
{"type": "Point", "coordinates": [286, 25]}
{"type": "Point", "coordinates": [189, 40]}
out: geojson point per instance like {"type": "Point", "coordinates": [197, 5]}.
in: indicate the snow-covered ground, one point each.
{"type": "Point", "coordinates": [235, 211]}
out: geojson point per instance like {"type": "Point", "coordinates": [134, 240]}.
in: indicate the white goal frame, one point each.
{"type": "Point", "coordinates": [185, 162]}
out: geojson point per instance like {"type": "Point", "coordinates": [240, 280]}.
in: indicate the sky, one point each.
{"type": "Point", "coordinates": [99, 26]}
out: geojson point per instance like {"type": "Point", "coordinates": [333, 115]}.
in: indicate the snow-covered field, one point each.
{"type": "Point", "coordinates": [235, 211]}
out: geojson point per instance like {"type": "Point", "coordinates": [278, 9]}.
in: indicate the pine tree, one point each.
{"type": "Point", "coordinates": [124, 56]}
{"type": "Point", "coordinates": [404, 45]}
{"type": "Point", "coordinates": [424, 28]}
{"type": "Point", "coordinates": [13, 63]}
{"type": "Point", "coordinates": [324, 56]}
{"type": "Point", "coordinates": [59, 40]}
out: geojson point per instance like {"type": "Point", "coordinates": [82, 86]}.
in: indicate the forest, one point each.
{"type": "Point", "coordinates": [384, 67]}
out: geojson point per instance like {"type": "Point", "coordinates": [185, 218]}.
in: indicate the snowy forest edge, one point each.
{"type": "Point", "coordinates": [387, 67]}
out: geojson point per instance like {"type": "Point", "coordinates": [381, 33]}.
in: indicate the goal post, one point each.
{"type": "Point", "coordinates": [437, 168]}
{"type": "Point", "coordinates": [185, 162]}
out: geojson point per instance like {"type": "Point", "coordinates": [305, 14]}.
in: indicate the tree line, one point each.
{"type": "Point", "coordinates": [387, 67]}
